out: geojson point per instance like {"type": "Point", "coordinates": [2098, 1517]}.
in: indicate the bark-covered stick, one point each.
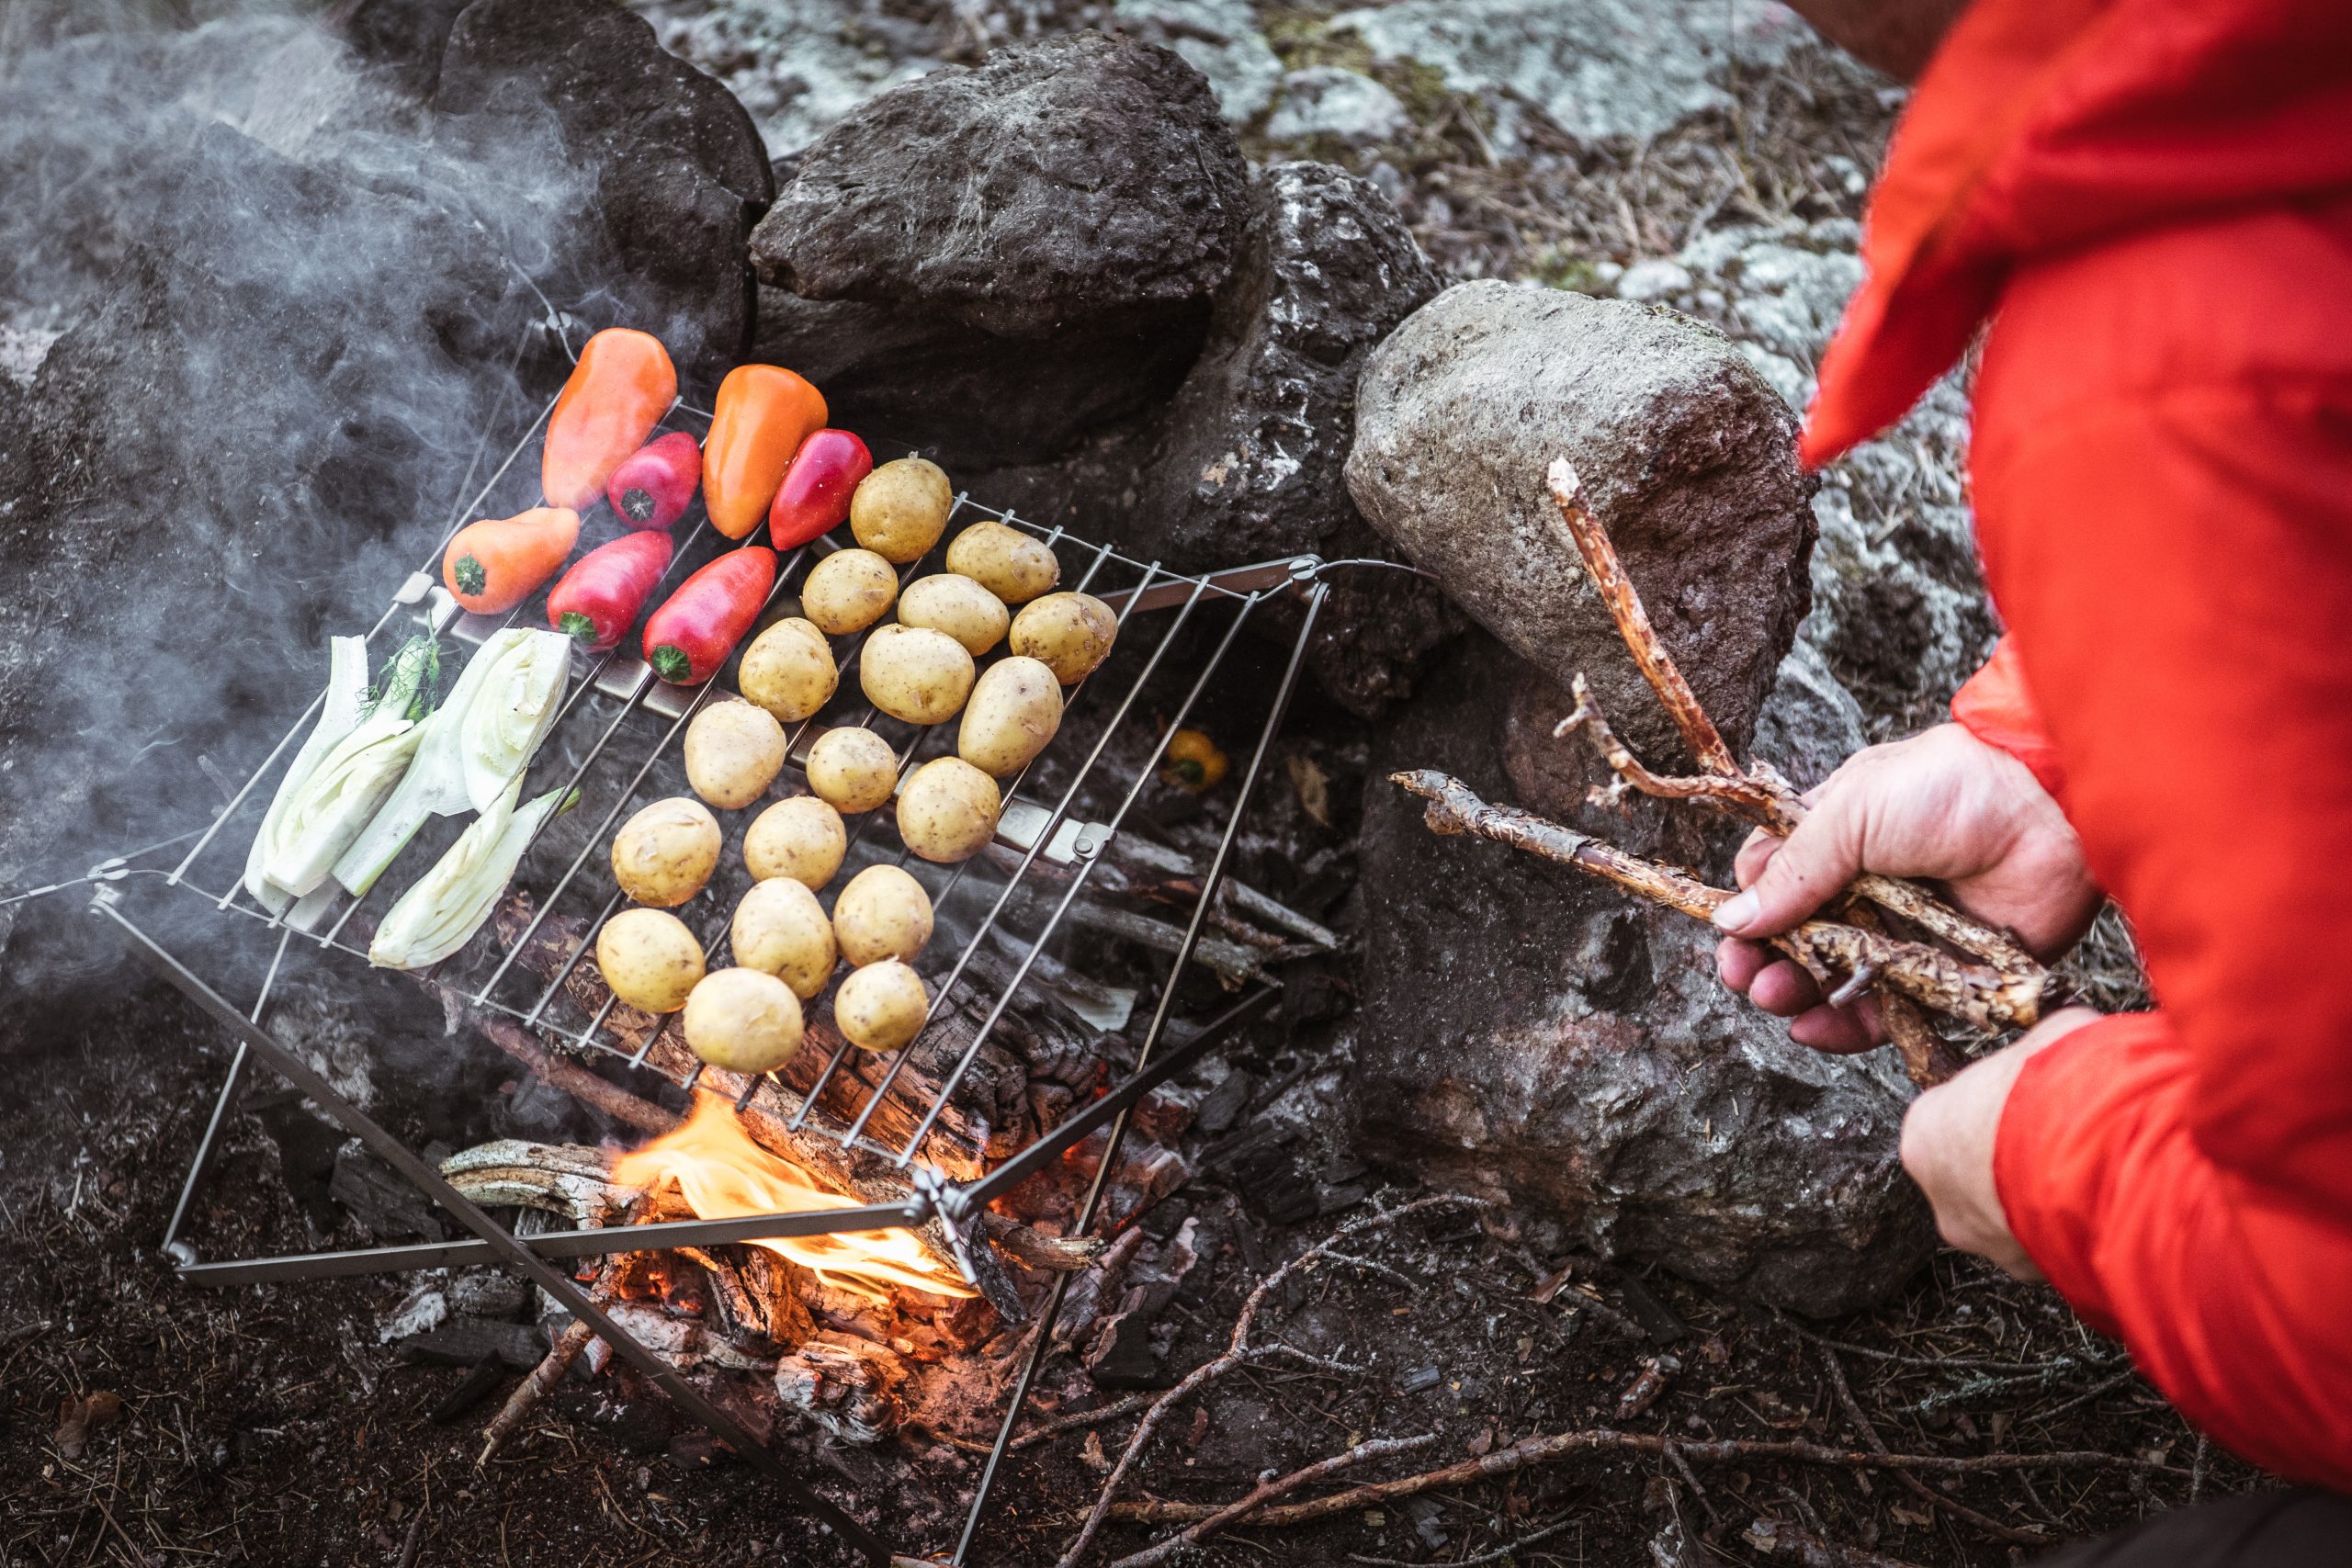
{"type": "Point", "coordinates": [1756, 794]}
{"type": "Point", "coordinates": [1657, 667]}
{"type": "Point", "coordinates": [1983, 998]}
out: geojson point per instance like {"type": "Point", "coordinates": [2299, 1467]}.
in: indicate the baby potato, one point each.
{"type": "Point", "coordinates": [781, 930]}
{"type": "Point", "coordinates": [848, 590]}
{"type": "Point", "coordinates": [662, 855]}
{"type": "Point", "coordinates": [743, 1020]}
{"type": "Point", "coordinates": [802, 838]}
{"type": "Point", "coordinates": [915, 673]}
{"type": "Point", "coordinates": [945, 602]}
{"type": "Point", "coordinates": [852, 769]}
{"type": "Point", "coordinates": [881, 1007]}
{"type": "Point", "coordinates": [733, 752]}
{"type": "Point", "coordinates": [883, 913]}
{"type": "Point", "coordinates": [1015, 708]}
{"type": "Point", "coordinates": [650, 959]}
{"type": "Point", "coordinates": [948, 810]}
{"type": "Point", "coordinates": [1012, 565]}
{"type": "Point", "coordinates": [788, 670]}
{"type": "Point", "coordinates": [1071, 633]}
{"type": "Point", "coordinates": [900, 509]}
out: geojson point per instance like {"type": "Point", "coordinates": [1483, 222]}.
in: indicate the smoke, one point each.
{"type": "Point", "coordinates": [261, 310]}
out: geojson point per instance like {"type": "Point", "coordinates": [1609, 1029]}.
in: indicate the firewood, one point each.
{"type": "Point", "coordinates": [1996, 985]}
{"type": "Point", "coordinates": [847, 1385]}
{"type": "Point", "coordinates": [1980, 997]}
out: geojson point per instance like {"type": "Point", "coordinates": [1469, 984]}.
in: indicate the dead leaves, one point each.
{"type": "Point", "coordinates": [82, 1414]}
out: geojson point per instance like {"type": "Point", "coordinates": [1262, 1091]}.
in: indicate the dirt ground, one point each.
{"type": "Point", "coordinates": [269, 1424]}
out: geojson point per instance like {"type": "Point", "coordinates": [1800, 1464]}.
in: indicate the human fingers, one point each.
{"type": "Point", "coordinates": [1783, 990]}
{"type": "Point", "coordinates": [1839, 1030]}
{"type": "Point", "coordinates": [1738, 963]}
{"type": "Point", "coordinates": [1793, 880]}
{"type": "Point", "coordinates": [1759, 848]}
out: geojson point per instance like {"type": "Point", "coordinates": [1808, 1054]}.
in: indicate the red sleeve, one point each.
{"type": "Point", "coordinates": [2163, 467]}
{"type": "Point", "coordinates": [1995, 706]}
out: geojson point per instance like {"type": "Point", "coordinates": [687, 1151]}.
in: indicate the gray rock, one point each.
{"type": "Point", "coordinates": [1811, 722]}
{"type": "Point", "coordinates": [1899, 608]}
{"type": "Point", "coordinates": [1059, 182]}
{"type": "Point", "coordinates": [1245, 463]}
{"type": "Point", "coordinates": [1594, 68]}
{"type": "Point", "coordinates": [1345, 106]}
{"type": "Point", "coordinates": [1687, 456]}
{"type": "Point", "coordinates": [909, 380]}
{"type": "Point", "coordinates": [677, 171]}
{"type": "Point", "coordinates": [799, 65]}
{"type": "Point", "coordinates": [1221, 38]}
{"type": "Point", "coordinates": [1535, 1036]}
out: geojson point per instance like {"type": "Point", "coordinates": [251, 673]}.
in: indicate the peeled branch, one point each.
{"type": "Point", "coordinates": [1973, 993]}
{"type": "Point", "coordinates": [1991, 983]}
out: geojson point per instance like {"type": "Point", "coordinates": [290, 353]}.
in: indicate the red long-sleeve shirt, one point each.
{"type": "Point", "coordinates": [2151, 200]}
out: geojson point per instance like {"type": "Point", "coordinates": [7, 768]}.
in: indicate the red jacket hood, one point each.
{"type": "Point", "coordinates": [2043, 124]}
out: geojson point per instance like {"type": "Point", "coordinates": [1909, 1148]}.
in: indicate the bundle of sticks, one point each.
{"type": "Point", "coordinates": [1880, 936]}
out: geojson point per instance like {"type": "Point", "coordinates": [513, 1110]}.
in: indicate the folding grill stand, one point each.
{"type": "Point", "coordinates": [930, 1196]}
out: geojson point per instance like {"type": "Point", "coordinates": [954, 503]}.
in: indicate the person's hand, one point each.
{"type": "Point", "coordinates": [1948, 1137]}
{"type": "Point", "coordinates": [1941, 806]}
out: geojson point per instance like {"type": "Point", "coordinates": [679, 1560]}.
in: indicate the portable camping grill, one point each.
{"type": "Point", "coordinates": [617, 723]}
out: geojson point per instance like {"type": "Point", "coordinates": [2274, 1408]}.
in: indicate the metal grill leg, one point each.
{"type": "Point", "coordinates": [511, 1252]}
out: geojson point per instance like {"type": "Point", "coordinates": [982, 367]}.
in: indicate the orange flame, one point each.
{"type": "Point", "coordinates": [722, 1173]}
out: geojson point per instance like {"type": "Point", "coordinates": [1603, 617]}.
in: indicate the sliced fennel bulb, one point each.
{"type": "Point", "coordinates": [502, 727]}
{"type": "Point", "coordinates": [449, 903]}
{"type": "Point", "coordinates": [346, 702]}
{"type": "Point", "coordinates": [334, 786]}
{"type": "Point", "coordinates": [513, 670]}
{"type": "Point", "coordinates": [340, 798]}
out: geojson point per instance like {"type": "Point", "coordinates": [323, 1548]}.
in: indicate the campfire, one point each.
{"type": "Point", "coordinates": [719, 1173]}
{"type": "Point", "coordinates": [830, 1231]}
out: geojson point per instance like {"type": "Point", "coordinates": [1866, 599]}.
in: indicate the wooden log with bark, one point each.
{"type": "Point", "coordinates": [1978, 975]}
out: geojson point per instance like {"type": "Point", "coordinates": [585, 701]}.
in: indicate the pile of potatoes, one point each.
{"type": "Point", "coordinates": [919, 667]}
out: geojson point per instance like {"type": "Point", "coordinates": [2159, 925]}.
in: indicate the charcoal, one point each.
{"type": "Point", "coordinates": [477, 1385]}
{"type": "Point", "coordinates": [1123, 1355]}
{"type": "Point", "coordinates": [1225, 1104]}
{"type": "Point", "coordinates": [381, 1200]}
{"type": "Point", "coordinates": [469, 1342]}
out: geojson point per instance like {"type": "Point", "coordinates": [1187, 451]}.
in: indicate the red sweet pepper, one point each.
{"type": "Point", "coordinates": [814, 497]}
{"type": "Point", "coordinates": [598, 599]}
{"type": "Point", "coordinates": [653, 486]}
{"type": "Point", "coordinates": [694, 631]}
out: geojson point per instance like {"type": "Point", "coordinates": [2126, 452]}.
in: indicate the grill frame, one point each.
{"type": "Point", "coordinates": [1036, 831]}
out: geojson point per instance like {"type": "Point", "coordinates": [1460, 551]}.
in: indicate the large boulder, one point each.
{"type": "Point", "coordinates": [677, 172]}
{"type": "Point", "coordinates": [1688, 457]}
{"type": "Point", "coordinates": [1545, 1040]}
{"type": "Point", "coordinates": [990, 264]}
{"type": "Point", "coordinates": [911, 380]}
{"type": "Point", "coordinates": [1061, 180]}
{"type": "Point", "coordinates": [1245, 464]}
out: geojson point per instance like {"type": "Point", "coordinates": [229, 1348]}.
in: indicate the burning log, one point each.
{"type": "Point", "coordinates": [845, 1384]}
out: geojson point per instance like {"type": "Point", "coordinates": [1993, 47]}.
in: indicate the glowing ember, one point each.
{"type": "Point", "coordinates": [722, 1173]}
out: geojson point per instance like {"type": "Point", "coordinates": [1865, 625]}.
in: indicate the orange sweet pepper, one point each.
{"type": "Point", "coordinates": [619, 392]}
{"type": "Point", "coordinates": [763, 414]}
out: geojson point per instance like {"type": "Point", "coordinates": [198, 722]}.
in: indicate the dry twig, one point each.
{"type": "Point", "coordinates": [1565, 1445]}
{"type": "Point", "coordinates": [1267, 1491]}
{"type": "Point", "coordinates": [1978, 995]}
{"type": "Point", "coordinates": [1238, 1352]}
{"type": "Point", "coordinates": [2004, 987]}
{"type": "Point", "coordinates": [1913, 1483]}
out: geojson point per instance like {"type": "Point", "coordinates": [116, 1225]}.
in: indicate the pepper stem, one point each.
{"type": "Point", "coordinates": [669, 662]}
